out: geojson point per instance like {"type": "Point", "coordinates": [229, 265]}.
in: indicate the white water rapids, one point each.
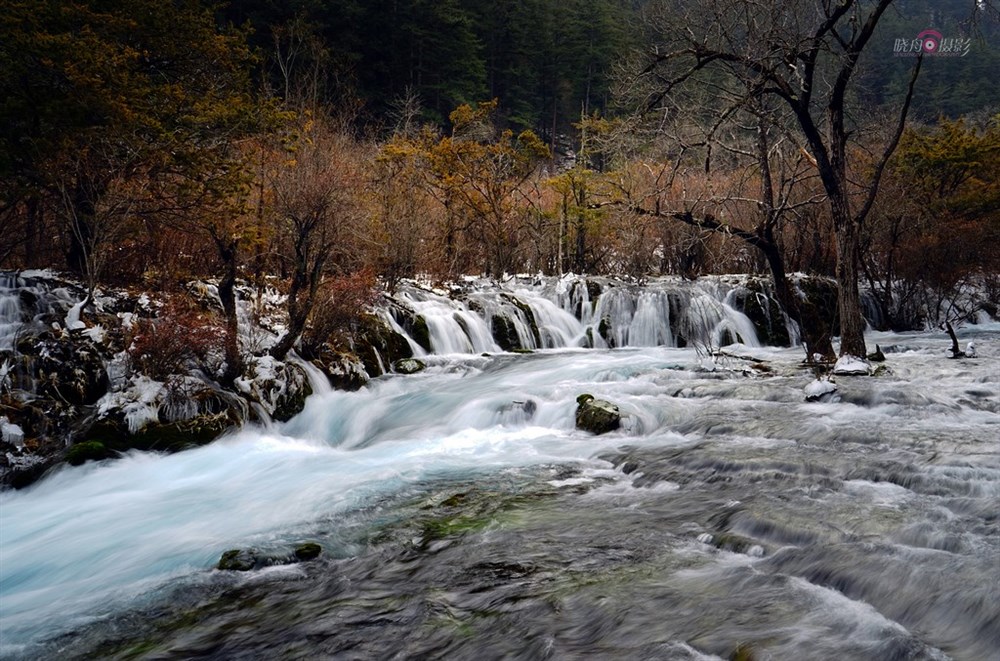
{"type": "Point", "coordinates": [861, 523]}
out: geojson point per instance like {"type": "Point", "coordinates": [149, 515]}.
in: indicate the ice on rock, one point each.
{"type": "Point", "coordinates": [11, 433]}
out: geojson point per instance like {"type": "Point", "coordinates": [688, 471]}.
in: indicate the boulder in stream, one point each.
{"type": "Point", "coordinates": [597, 416]}
{"type": "Point", "coordinates": [409, 366]}
{"type": "Point", "coordinates": [238, 560]}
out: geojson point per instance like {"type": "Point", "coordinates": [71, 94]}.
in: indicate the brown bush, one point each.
{"type": "Point", "coordinates": [180, 337]}
{"type": "Point", "coordinates": [341, 303]}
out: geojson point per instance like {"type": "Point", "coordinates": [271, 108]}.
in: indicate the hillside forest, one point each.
{"type": "Point", "coordinates": [330, 148]}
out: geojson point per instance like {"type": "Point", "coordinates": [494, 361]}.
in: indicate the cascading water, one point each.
{"type": "Point", "coordinates": [563, 313]}
{"type": "Point", "coordinates": [460, 504]}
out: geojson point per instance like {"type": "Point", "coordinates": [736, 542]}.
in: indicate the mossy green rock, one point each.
{"type": "Point", "coordinates": [167, 437]}
{"type": "Point", "coordinates": [308, 551]}
{"type": "Point", "coordinates": [87, 451]}
{"type": "Point", "coordinates": [238, 560]}
{"type": "Point", "coordinates": [596, 415]}
{"type": "Point", "coordinates": [420, 333]}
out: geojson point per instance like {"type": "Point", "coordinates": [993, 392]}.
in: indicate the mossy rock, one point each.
{"type": "Point", "coordinates": [420, 333]}
{"type": "Point", "coordinates": [344, 370]}
{"type": "Point", "coordinates": [596, 415]}
{"type": "Point", "coordinates": [375, 343]}
{"type": "Point", "coordinates": [409, 366]}
{"type": "Point", "coordinates": [239, 560]}
{"type": "Point", "coordinates": [165, 437]}
{"type": "Point", "coordinates": [308, 551]}
{"type": "Point", "coordinates": [87, 451]}
{"type": "Point", "coordinates": [743, 652]}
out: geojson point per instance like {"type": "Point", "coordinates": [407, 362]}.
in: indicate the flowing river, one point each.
{"type": "Point", "coordinates": [462, 516]}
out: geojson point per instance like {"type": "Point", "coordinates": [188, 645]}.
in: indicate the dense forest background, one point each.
{"type": "Point", "coordinates": [327, 146]}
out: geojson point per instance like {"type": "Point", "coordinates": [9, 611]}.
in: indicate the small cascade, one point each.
{"type": "Point", "coordinates": [557, 328]}
{"type": "Point", "coordinates": [391, 322]}
{"type": "Point", "coordinates": [613, 316]}
{"type": "Point", "coordinates": [11, 317]}
{"type": "Point", "coordinates": [570, 312]}
{"type": "Point", "coordinates": [451, 326]}
{"type": "Point", "coordinates": [650, 325]}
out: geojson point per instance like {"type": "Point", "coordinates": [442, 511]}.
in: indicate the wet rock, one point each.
{"type": "Point", "coordinates": [308, 551]}
{"type": "Point", "coordinates": [757, 302]}
{"type": "Point", "coordinates": [416, 327]}
{"type": "Point", "coordinates": [238, 560]}
{"type": "Point", "coordinates": [505, 333]}
{"type": "Point", "coordinates": [344, 371]}
{"type": "Point", "coordinates": [409, 366]}
{"type": "Point", "coordinates": [172, 421]}
{"type": "Point", "coordinates": [87, 451]}
{"type": "Point", "coordinates": [376, 344]}
{"type": "Point", "coordinates": [280, 388]}
{"type": "Point", "coordinates": [604, 330]}
{"type": "Point", "coordinates": [529, 316]}
{"type": "Point", "coordinates": [596, 415]}
{"type": "Point", "coordinates": [877, 356]}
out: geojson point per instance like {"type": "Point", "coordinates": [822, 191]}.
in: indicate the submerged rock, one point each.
{"type": "Point", "coordinates": [308, 551]}
{"type": "Point", "coordinates": [250, 559]}
{"type": "Point", "coordinates": [597, 416]}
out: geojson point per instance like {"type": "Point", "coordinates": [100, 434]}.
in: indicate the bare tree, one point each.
{"type": "Point", "coordinates": [315, 210]}
{"type": "Point", "coordinates": [798, 55]}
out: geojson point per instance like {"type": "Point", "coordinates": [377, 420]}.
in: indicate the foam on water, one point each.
{"type": "Point", "coordinates": [912, 466]}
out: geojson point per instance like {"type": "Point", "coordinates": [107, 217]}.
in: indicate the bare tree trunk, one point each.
{"type": "Point", "coordinates": [852, 323]}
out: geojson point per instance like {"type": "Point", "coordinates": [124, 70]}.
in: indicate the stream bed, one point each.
{"type": "Point", "coordinates": [463, 516]}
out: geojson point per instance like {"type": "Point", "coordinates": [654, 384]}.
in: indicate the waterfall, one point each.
{"type": "Point", "coordinates": [548, 313]}
{"type": "Point", "coordinates": [10, 312]}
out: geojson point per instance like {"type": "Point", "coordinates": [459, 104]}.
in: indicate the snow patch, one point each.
{"type": "Point", "coordinates": [848, 365]}
{"type": "Point", "coordinates": [72, 320]}
{"type": "Point", "coordinates": [820, 390]}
